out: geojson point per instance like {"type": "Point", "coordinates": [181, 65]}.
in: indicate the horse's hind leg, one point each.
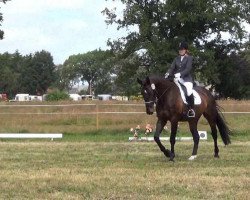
{"type": "Point", "coordinates": [212, 124]}
{"type": "Point", "coordinates": [159, 127]}
{"type": "Point", "coordinates": [196, 138]}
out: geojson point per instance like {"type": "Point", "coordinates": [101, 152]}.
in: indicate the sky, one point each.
{"type": "Point", "coordinates": [61, 27]}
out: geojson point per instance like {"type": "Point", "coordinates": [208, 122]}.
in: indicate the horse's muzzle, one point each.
{"type": "Point", "coordinates": [150, 111]}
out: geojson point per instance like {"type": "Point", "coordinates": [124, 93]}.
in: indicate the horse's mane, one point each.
{"type": "Point", "coordinates": [160, 80]}
{"type": "Point", "coordinates": [156, 77]}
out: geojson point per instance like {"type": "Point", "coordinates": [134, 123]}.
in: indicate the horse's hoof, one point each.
{"type": "Point", "coordinates": [216, 156]}
{"type": "Point", "coordinates": [167, 153]}
{"type": "Point", "coordinates": [192, 157]}
{"type": "Point", "coordinates": [172, 155]}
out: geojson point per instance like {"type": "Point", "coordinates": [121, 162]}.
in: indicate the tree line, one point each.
{"type": "Point", "coordinates": [156, 28]}
{"type": "Point", "coordinates": [32, 74]}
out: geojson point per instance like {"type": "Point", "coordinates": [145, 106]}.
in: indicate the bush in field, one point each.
{"type": "Point", "coordinates": [57, 96]}
{"type": "Point", "coordinates": [136, 98]}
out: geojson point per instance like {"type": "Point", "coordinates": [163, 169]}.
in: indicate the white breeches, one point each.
{"type": "Point", "coordinates": [188, 85]}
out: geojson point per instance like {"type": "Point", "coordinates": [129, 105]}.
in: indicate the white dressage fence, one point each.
{"type": "Point", "coordinates": [51, 136]}
{"type": "Point", "coordinates": [202, 134]}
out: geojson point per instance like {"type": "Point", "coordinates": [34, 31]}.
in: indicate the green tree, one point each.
{"type": "Point", "coordinates": [57, 95]}
{"type": "Point", "coordinates": [157, 27]}
{"type": "Point", "coordinates": [234, 76]}
{"type": "Point", "coordinates": [10, 66]}
{"type": "Point", "coordinates": [94, 67]}
{"type": "Point", "coordinates": [126, 71]}
{"type": "Point", "coordinates": [44, 67]}
{"type": "Point", "coordinates": [31, 74]}
{"type": "Point", "coordinates": [65, 74]}
{"type": "Point", "coordinates": [1, 20]}
{"type": "Point", "coordinates": [37, 73]}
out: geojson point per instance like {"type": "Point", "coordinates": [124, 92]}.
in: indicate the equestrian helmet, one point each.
{"type": "Point", "coordinates": [183, 45]}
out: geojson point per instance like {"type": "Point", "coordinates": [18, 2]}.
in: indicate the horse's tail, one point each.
{"type": "Point", "coordinates": [222, 126]}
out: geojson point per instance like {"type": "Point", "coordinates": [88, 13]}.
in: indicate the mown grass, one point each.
{"type": "Point", "coordinates": [117, 169]}
{"type": "Point", "coordinates": [101, 164]}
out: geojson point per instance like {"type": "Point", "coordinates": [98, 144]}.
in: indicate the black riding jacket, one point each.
{"type": "Point", "coordinates": [183, 67]}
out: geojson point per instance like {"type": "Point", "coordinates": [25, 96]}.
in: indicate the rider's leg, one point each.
{"type": "Point", "coordinates": [190, 98]}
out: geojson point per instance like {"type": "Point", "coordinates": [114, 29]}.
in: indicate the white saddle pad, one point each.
{"type": "Point", "coordinates": [197, 98]}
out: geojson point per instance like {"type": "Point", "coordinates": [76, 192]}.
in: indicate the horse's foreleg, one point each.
{"type": "Point", "coordinates": [159, 128]}
{"type": "Point", "coordinates": [174, 126]}
{"type": "Point", "coordinates": [196, 138]}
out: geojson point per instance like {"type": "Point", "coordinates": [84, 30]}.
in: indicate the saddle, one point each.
{"type": "Point", "coordinates": [183, 92]}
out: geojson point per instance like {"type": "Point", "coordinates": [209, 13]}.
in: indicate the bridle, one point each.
{"type": "Point", "coordinates": [156, 94]}
{"type": "Point", "coordinates": [148, 102]}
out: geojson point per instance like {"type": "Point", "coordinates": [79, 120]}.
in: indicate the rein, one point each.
{"type": "Point", "coordinates": [157, 99]}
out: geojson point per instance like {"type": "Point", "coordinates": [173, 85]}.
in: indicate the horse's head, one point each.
{"type": "Point", "coordinates": [148, 93]}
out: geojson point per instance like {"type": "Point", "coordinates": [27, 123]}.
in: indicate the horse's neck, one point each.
{"type": "Point", "coordinates": [167, 92]}
{"type": "Point", "coordinates": [164, 85]}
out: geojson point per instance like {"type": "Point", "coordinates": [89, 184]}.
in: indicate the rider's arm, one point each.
{"type": "Point", "coordinates": [172, 68]}
{"type": "Point", "coordinates": [188, 67]}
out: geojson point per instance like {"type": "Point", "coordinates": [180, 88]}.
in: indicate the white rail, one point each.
{"type": "Point", "coordinates": [31, 135]}
{"type": "Point", "coordinates": [94, 113]}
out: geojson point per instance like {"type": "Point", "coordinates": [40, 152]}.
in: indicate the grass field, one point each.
{"type": "Point", "coordinates": [102, 164]}
{"type": "Point", "coordinates": [94, 169]}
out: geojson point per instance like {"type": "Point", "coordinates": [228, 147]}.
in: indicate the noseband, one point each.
{"type": "Point", "coordinates": [149, 102]}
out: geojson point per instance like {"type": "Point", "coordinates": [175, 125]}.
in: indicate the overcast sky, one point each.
{"type": "Point", "coordinates": [62, 27]}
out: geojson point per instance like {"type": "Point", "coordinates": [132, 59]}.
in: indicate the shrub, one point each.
{"type": "Point", "coordinates": [57, 96]}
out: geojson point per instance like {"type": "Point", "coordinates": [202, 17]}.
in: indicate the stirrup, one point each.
{"type": "Point", "coordinates": [191, 113]}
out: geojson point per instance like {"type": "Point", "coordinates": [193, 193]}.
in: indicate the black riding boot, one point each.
{"type": "Point", "coordinates": [190, 101]}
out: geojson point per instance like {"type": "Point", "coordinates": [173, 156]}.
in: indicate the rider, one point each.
{"type": "Point", "coordinates": [181, 71]}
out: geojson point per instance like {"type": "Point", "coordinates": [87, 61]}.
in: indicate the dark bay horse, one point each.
{"type": "Point", "coordinates": [170, 107]}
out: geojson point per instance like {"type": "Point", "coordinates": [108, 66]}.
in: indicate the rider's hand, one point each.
{"type": "Point", "coordinates": [177, 75]}
{"type": "Point", "coordinates": [166, 75]}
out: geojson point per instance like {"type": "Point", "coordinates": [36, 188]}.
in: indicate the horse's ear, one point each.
{"type": "Point", "coordinates": [139, 81]}
{"type": "Point", "coordinates": [147, 80]}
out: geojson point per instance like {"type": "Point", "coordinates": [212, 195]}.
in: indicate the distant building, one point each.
{"type": "Point", "coordinates": [22, 97]}
{"type": "Point", "coordinates": [35, 98]}
{"type": "Point", "coordinates": [75, 97]}
{"type": "Point", "coordinates": [87, 97]}
{"type": "Point", "coordinates": [104, 97]}
{"type": "Point", "coordinates": [120, 98]}
{"type": "Point", "coordinates": [27, 97]}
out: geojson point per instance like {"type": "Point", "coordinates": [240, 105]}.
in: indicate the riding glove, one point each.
{"type": "Point", "coordinates": [177, 75]}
